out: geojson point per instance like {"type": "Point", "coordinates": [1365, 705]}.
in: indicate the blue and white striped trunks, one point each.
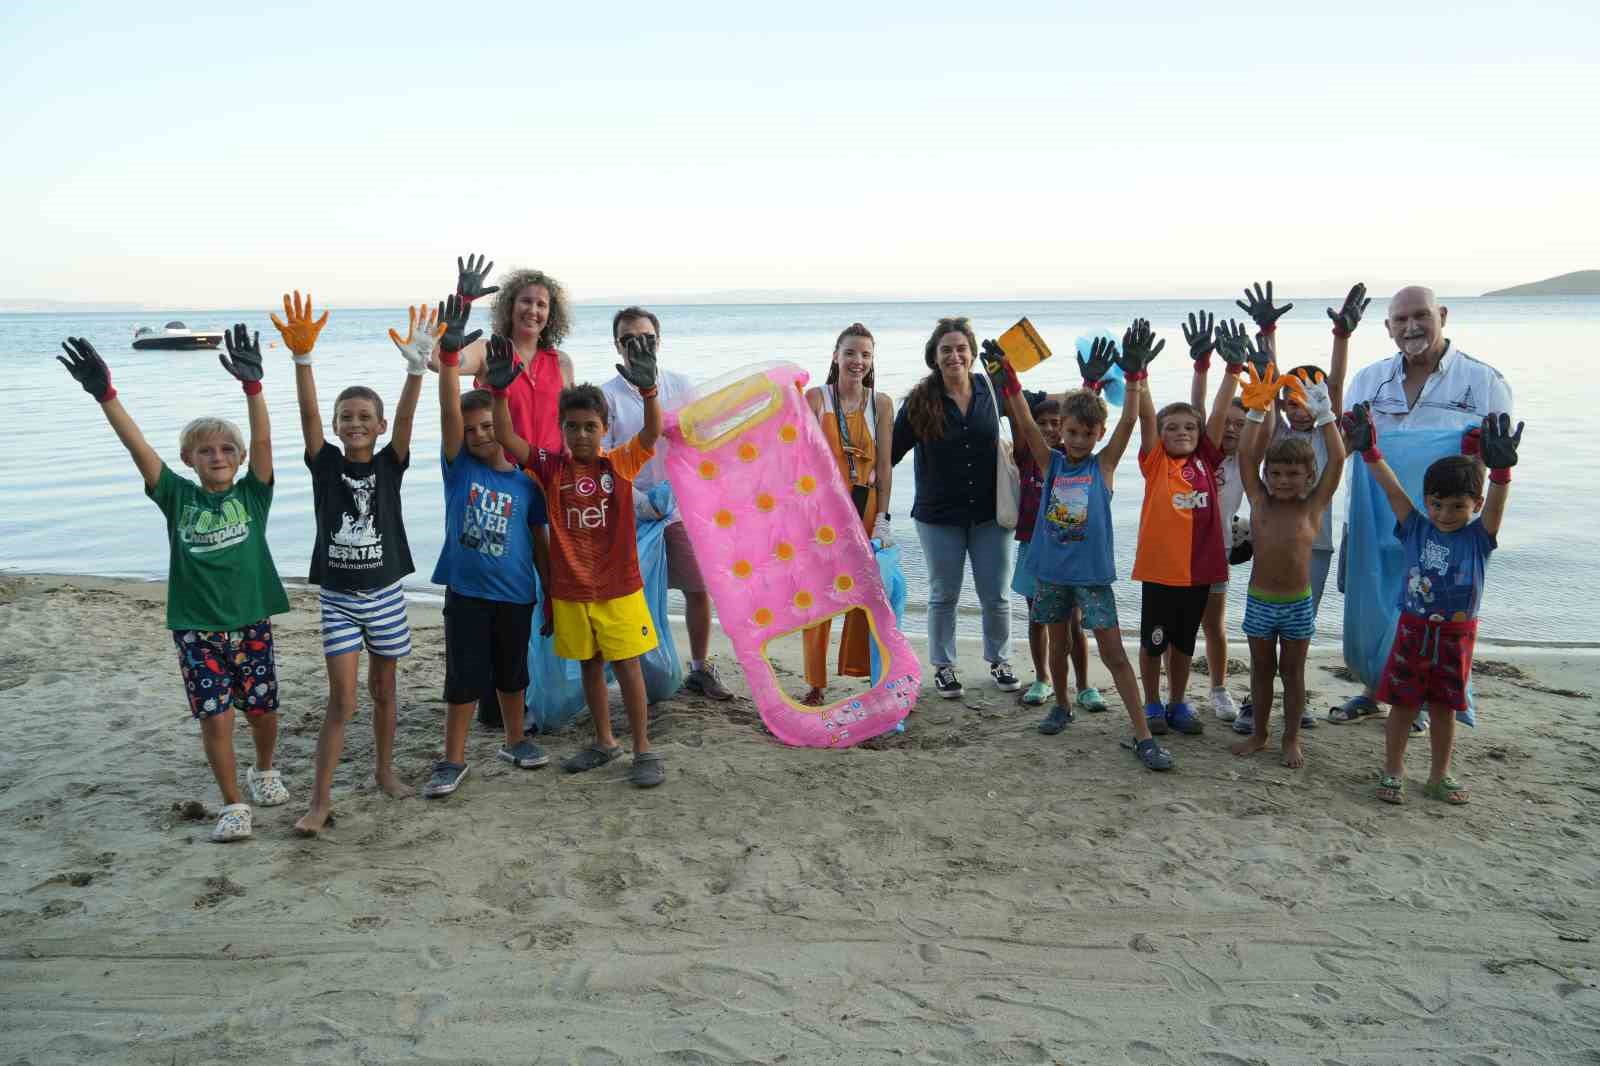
{"type": "Point", "coordinates": [377, 617]}
{"type": "Point", "coordinates": [1270, 617]}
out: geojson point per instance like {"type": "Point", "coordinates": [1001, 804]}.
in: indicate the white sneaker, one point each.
{"type": "Point", "coordinates": [233, 823]}
{"type": "Point", "coordinates": [265, 787]}
{"type": "Point", "coordinates": [1223, 704]}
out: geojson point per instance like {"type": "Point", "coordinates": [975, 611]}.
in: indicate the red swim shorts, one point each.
{"type": "Point", "coordinates": [1429, 664]}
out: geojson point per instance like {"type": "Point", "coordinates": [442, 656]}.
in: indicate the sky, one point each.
{"type": "Point", "coordinates": [206, 155]}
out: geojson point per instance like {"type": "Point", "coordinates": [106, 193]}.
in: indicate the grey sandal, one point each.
{"type": "Point", "coordinates": [591, 758]}
{"type": "Point", "coordinates": [647, 770]}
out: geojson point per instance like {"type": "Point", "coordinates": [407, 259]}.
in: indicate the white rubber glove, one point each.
{"type": "Point", "coordinates": [1318, 403]}
{"type": "Point", "coordinates": [881, 532]}
{"type": "Point", "coordinates": [644, 510]}
{"type": "Point", "coordinates": [420, 339]}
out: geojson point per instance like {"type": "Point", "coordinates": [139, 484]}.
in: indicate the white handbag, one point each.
{"type": "Point", "coordinates": [1007, 480]}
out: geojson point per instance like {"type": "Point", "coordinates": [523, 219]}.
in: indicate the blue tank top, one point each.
{"type": "Point", "coordinates": [1072, 534]}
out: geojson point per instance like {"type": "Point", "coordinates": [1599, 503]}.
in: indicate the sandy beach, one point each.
{"type": "Point", "coordinates": [967, 892]}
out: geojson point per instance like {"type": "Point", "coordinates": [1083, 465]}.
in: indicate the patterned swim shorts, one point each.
{"type": "Point", "coordinates": [228, 669]}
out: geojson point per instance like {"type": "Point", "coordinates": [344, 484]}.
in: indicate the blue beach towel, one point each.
{"type": "Point", "coordinates": [1375, 562]}
{"type": "Point", "coordinates": [555, 685]}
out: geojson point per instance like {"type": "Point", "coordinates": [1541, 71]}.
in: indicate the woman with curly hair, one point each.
{"type": "Point", "coordinates": [951, 420]}
{"type": "Point", "coordinates": [532, 310]}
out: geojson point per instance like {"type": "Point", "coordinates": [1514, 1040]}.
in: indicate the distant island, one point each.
{"type": "Point", "coordinates": [1577, 283]}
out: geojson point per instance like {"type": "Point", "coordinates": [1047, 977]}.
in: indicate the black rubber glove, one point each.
{"type": "Point", "coordinates": [88, 369]}
{"type": "Point", "coordinates": [1259, 307]}
{"type": "Point", "coordinates": [638, 366]}
{"type": "Point", "coordinates": [500, 367]}
{"type": "Point", "coordinates": [1233, 341]}
{"type": "Point", "coordinates": [1498, 445]}
{"type": "Point", "coordinates": [1139, 349]}
{"type": "Point", "coordinates": [454, 312]}
{"type": "Point", "coordinates": [470, 276]}
{"type": "Point", "coordinates": [1360, 435]}
{"type": "Point", "coordinates": [1102, 353]}
{"type": "Point", "coordinates": [243, 360]}
{"type": "Point", "coordinates": [1198, 334]}
{"type": "Point", "coordinates": [1348, 317]}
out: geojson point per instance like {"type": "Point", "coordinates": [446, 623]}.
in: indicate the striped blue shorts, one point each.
{"type": "Point", "coordinates": [376, 618]}
{"type": "Point", "coordinates": [1271, 617]}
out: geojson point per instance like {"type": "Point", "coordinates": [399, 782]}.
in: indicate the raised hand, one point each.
{"type": "Point", "coordinates": [1233, 341]}
{"type": "Point", "coordinates": [1498, 445]}
{"type": "Point", "coordinates": [470, 276]}
{"type": "Point", "coordinates": [1313, 395]}
{"type": "Point", "coordinates": [1139, 349]}
{"type": "Point", "coordinates": [638, 366]}
{"type": "Point", "coordinates": [1102, 354]}
{"type": "Point", "coordinates": [453, 335]}
{"type": "Point", "coordinates": [88, 369]}
{"type": "Point", "coordinates": [1258, 305]}
{"type": "Point", "coordinates": [500, 367]}
{"type": "Point", "coordinates": [1198, 334]}
{"type": "Point", "coordinates": [300, 331]}
{"type": "Point", "coordinates": [243, 360]}
{"type": "Point", "coordinates": [1261, 388]}
{"type": "Point", "coordinates": [423, 329]}
{"type": "Point", "coordinates": [1360, 434]}
{"type": "Point", "coordinates": [1348, 317]}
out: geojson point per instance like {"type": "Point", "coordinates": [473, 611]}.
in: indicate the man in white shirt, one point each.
{"type": "Point", "coordinates": [624, 419]}
{"type": "Point", "coordinates": [1427, 384]}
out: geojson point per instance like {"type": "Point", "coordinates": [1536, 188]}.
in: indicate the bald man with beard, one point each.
{"type": "Point", "coordinates": [1428, 384]}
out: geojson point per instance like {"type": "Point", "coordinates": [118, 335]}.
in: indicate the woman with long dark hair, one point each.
{"type": "Point", "coordinates": [951, 420]}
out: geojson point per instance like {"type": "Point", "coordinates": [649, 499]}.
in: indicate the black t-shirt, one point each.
{"type": "Point", "coordinates": [361, 535]}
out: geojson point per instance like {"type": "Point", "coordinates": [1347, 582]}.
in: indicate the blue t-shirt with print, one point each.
{"type": "Point", "coordinates": [1072, 542]}
{"type": "Point", "coordinates": [1444, 571]}
{"type": "Point", "coordinates": [489, 518]}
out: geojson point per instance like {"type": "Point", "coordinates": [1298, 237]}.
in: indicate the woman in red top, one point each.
{"type": "Point", "coordinates": [531, 309]}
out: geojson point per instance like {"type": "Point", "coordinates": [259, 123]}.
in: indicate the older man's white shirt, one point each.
{"type": "Point", "coordinates": [1457, 395]}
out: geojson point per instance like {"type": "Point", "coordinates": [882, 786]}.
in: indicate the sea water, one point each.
{"type": "Point", "coordinates": [71, 500]}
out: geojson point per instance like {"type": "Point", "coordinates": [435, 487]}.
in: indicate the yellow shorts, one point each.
{"type": "Point", "coordinates": [615, 629]}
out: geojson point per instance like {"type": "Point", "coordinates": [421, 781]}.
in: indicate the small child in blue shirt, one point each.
{"type": "Point", "coordinates": [1447, 552]}
{"type": "Point", "coordinates": [495, 540]}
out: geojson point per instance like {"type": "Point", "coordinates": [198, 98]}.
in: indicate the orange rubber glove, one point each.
{"type": "Point", "coordinates": [300, 332]}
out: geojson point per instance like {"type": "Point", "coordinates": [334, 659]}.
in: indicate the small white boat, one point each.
{"type": "Point", "coordinates": [176, 336]}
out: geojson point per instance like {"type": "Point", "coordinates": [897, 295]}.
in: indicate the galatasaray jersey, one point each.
{"type": "Point", "coordinates": [1181, 540]}
{"type": "Point", "coordinates": [594, 551]}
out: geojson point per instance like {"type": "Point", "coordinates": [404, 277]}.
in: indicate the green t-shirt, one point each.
{"type": "Point", "coordinates": [220, 574]}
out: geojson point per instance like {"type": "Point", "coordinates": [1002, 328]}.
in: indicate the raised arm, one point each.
{"type": "Point", "coordinates": [90, 371]}
{"type": "Point", "coordinates": [1023, 428]}
{"type": "Point", "coordinates": [1198, 333]}
{"type": "Point", "coordinates": [1499, 450]}
{"type": "Point", "coordinates": [1362, 436]}
{"type": "Point", "coordinates": [1332, 470]}
{"type": "Point", "coordinates": [1252, 446]}
{"type": "Point", "coordinates": [638, 368]}
{"type": "Point", "coordinates": [500, 370]}
{"type": "Point", "coordinates": [447, 324]}
{"type": "Point", "coordinates": [1139, 348]}
{"type": "Point", "coordinates": [243, 361]}
{"type": "Point", "coordinates": [1117, 444]}
{"type": "Point", "coordinates": [1345, 321]}
{"type": "Point", "coordinates": [299, 334]}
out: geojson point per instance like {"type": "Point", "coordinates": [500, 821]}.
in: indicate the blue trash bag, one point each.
{"type": "Point", "coordinates": [555, 685]}
{"type": "Point", "coordinates": [894, 586]}
{"type": "Point", "coordinates": [1375, 562]}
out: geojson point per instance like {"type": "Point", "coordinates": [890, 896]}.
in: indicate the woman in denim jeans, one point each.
{"type": "Point", "coordinates": [950, 420]}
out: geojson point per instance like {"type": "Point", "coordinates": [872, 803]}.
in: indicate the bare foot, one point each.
{"type": "Point", "coordinates": [393, 787]}
{"type": "Point", "coordinates": [1248, 746]}
{"type": "Point", "coordinates": [1293, 757]}
{"type": "Point", "coordinates": [314, 821]}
